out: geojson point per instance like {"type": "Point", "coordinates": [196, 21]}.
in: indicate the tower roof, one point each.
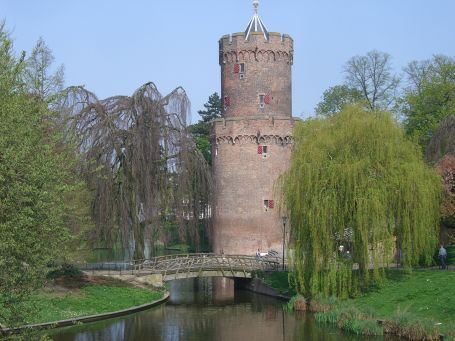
{"type": "Point", "coordinates": [256, 24]}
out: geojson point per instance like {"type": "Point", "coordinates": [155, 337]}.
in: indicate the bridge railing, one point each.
{"type": "Point", "coordinates": [209, 262]}
{"type": "Point", "coordinates": [194, 262]}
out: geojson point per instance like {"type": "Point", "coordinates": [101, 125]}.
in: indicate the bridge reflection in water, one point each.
{"type": "Point", "coordinates": [195, 313]}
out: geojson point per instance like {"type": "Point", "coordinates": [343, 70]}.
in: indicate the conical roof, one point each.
{"type": "Point", "coordinates": [256, 24]}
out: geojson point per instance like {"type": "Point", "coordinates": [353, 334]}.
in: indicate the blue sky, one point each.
{"type": "Point", "coordinates": [113, 47]}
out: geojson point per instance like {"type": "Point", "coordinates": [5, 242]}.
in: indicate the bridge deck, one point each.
{"type": "Point", "coordinates": [204, 265]}
{"type": "Point", "coordinates": [193, 265]}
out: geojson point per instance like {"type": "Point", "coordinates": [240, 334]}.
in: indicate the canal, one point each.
{"type": "Point", "coordinates": [198, 310]}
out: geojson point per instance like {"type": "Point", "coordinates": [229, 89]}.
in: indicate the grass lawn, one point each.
{"type": "Point", "coordinates": [83, 298]}
{"type": "Point", "coordinates": [428, 294]}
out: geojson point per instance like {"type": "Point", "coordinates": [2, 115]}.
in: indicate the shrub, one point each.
{"type": "Point", "coordinates": [405, 325]}
{"type": "Point", "coordinates": [362, 327]}
{"type": "Point", "coordinates": [331, 316]}
{"type": "Point", "coordinates": [298, 303]}
{"type": "Point", "coordinates": [320, 304]}
{"type": "Point", "coordinates": [351, 320]}
{"type": "Point", "coordinates": [68, 270]}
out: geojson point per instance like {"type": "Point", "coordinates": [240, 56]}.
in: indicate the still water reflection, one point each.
{"type": "Point", "coordinates": [196, 311]}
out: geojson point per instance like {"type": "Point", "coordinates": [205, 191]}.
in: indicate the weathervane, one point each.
{"type": "Point", "coordinates": [256, 5]}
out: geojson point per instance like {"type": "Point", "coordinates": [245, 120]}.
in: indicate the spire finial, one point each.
{"type": "Point", "coordinates": [256, 5]}
{"type": "Point", "coordinates": [256, 24]}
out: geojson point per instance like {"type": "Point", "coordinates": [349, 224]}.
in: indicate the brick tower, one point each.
{"type": "Point", "coordinates": [251, 144]}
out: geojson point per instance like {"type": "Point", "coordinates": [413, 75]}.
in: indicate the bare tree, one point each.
{"type": "Point", "coordinates": [39, 79]}
{"type": "Point", "coordinates": [141, 163]}
{"type": "Point", "coordinates": [372, 76]}
{"type": "Point", "coordinates": [418, 72]}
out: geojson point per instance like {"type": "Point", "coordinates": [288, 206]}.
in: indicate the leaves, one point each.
{"type": "Point", "coordinates": [336, 98]}
{"type": "Point", "coordinates": [428, 103]}
{"type": "Point", "coordinates": [33, 188]}
{"type": "Point", "coordinates": [356, 181]}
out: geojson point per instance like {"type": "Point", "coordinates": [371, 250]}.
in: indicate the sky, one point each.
{"type": "Point", "coordinates": [112, 47]}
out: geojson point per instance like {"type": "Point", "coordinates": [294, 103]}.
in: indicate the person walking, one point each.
{"type": "Point", "coordinates": [442, 257]}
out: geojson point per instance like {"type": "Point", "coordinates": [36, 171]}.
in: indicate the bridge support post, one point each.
{"type": "Point", "coordinates": [223, 289]}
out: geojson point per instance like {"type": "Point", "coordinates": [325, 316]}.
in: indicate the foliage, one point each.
{"type": "Point", "coordinates": [68, 270]}
{"type": "Point", "coordinates": [142, 165]}
{"type": "Point", "coordinates": [336, 98]}
{"type": "Point", "coordinates": [355, 181]}
{"type": "Point", "coordinates": [201, 130]}
{"type": "Point", "coordinates": [446, 168]}
{"type": "Point", "coordinates": [403, 324]}
{"type": "Point", "coordinates": [372, 76]}
{"type": "Point", "coordinates": [38, 79]}
{"type": "Point", "coordinates": [213, 108]}
{"type": "Point", "coordinates": [297, 302]}
{"type": "Point", "coordinates": [351, 319]}
{"type": "Point", "coordinates": [204, 146]}
{"type": "Point", "coordinates": [34, 188]}
{"type": "Point", "coordinates": [426, 105]}
{"type": "Point", "coordinates": [442, 142]}
{"type": "Point", "coordinates": [278, 281]}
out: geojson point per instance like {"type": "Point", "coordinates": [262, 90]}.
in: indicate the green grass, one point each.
{"type": "Point", "coordinates": [417, 305]}
{"type": "Point", "coordinates": [88, 300]}
{"type": "Point", "coordinates": [278, 281]}
{"type": "Point", "coordinates": [427, 294]}
{"type": "Point", "coordinates": [179, 247]}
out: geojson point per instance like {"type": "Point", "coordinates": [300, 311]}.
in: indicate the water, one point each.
{"type": "Point", "coordinates": [199, 310]}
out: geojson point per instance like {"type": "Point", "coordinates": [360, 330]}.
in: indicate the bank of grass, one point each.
{"type": "Point", "coordinates": [279, 281]}
{"type": "Point", "coordinates": [419, 305]}
{"type": "Point", "coordinates": [77, 297]}
{"type": "Point", "coordinates": [425, 294]}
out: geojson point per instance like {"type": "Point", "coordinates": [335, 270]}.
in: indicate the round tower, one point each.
{"type": "Point", "coordinates": [251, 144]}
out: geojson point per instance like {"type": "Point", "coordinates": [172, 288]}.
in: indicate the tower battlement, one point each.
{"type": "Point", "coordinates": [234, 48]}
{"type": "Point", "coordinates": [256, 74]}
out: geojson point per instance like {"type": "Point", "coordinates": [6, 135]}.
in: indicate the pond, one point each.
{"type": "Point", "coordinates": [197, 310]}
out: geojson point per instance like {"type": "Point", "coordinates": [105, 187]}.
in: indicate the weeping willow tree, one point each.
{"type": "Point", "coordinates": [356, 189]}
{"type": "Point", "coordinates": [141, 164]}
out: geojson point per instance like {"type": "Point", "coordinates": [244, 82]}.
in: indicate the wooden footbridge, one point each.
{"type": "Point", "coordinates": [208, 265]}
{"type": "Point", "coordinates": [192, 265]}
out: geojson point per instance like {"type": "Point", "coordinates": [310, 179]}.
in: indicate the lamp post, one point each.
{"type": "Point", "coordinates": [284, 219]}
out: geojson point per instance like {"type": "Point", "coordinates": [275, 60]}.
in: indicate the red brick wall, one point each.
{"type": "Point", "coordinates": [267, 71]}
{"type": "Point", "coordinates": [244, 178]}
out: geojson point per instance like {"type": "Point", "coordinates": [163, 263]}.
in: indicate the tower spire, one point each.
{"type": "Point", "coordinates": [256, 24]}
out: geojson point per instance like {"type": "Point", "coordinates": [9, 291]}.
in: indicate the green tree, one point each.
{"type": "Point", "coordinates": [355, 183]}
{"type": "Point", "coordinates": [201, 130]}
{"type": "Point", "coordinates": [372, 76]}
{"type": "Point", "coordinates": [336, 98]}
{"type": "Point", "coordinates": [213, 108]}
{"type": "Point", "coordinates": [426, 104]}
{"type": "Point", "coordinates": [33, 189]}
